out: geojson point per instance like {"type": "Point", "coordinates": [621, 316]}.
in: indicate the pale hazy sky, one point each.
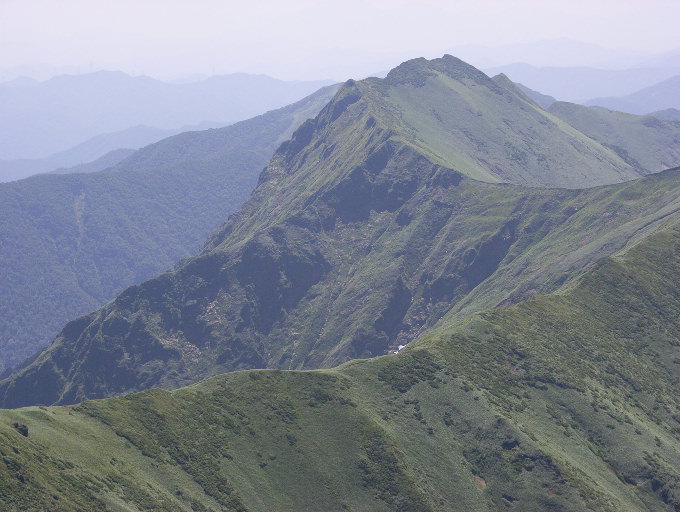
{"type": "Point", "coordinates": [308, 39]}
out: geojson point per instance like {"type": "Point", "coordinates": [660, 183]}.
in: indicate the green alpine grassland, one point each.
{"type": "Point", "coordinates": [440, 295]}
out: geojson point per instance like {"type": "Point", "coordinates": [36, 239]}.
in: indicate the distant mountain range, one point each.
{"type": "Point", "coordinates": [579, 84]}
{"type": "Point", "coordinates": [107, 161]}
{"type": "Point", "coordinates": [85, 152]}
{"type": "Point", "coordinates": [69, 243]}
{"type": "Point", "coordinates": [341, 64]}
{"type": "Point", "coordinates": [542, 100]}
{"type": "Point", "coordinates": [642, 102]}
{"type": "Point", "coordinates": [661, 96]}
{"type": "Point", "coordinates": [39, 119]}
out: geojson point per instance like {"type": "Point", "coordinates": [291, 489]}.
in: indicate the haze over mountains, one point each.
{"type": "Point", "coordinates": [580, 73]}
{"type": "Point", "coordinates": [637, 90]}
{"type": "Point", "coordinates": [578, 84]}
{"type": "Point", "coordinates": [657, 97]}
{"type": "Point", "coordinates": [52, 116]}
{"type": "Point", "coordinates": [85, 152]}
{"type": "Point", "coordinates": [339, 64]}
{"type": "Point", "coordinates": [565, 52]}
{"type": "Point", "coordinates": [522, 261]}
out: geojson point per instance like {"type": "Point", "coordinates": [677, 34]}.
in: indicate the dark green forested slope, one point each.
{"type": "Point", "coordinates": [356, 241]}
{"type": "Point", "coordinates": [565, 402]}
{"type": "Point", "coordinates": [69, 243]}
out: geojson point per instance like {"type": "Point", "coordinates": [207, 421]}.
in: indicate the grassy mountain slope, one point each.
{"type": "Point", "coordinates": [462, 119]}
{"type": "Point", "coordinates": [69, 243]}
{"type": "Point", "coordinates": [567, 402]}
{"type": "Point", "coordinates": [288, 297]}
{"type": "Point", "coordinates": [353, 243]}
{"type": "Point", "coordinates": [669, 114]}
{"type": "Point", "coordinates": [643, 141]}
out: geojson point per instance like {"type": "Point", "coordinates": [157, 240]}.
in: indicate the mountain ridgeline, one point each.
{"type": "Point", "coordinates": [644, 142]}
{"type": "Point", "coordinates": [407, 203]}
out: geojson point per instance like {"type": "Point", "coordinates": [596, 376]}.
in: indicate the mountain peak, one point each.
{"type": "Point", "coordinates": [416, 72]}
{"type": "Point", "coordinates": [502, 79]}
{"type": "Point", "coordinates": [484, 128]}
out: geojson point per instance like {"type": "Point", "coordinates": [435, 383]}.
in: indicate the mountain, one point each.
{"type": "Point", "coordinates": [51, 116]}
{"type": "Point", "coordinates": [106, 161]}
{"type": "Point", "coordinates": [69, 243]}
{"type": "Point", "coordinates": [669, 114]}
{"type": "Point", "coordinates": [543, 100]}
{"type": "Point", "coordinates": [85, 152]}
{"type": "Point", "coordinates": [567, 401]}
{"type": "Point", "coordinates": [661, 96]}
{"type": "Point", "coordinates": [369, 226]}
{"type": "Point", "coordinates": [642, 141]}
{"type": "Point", "coordinates": [578, 84]}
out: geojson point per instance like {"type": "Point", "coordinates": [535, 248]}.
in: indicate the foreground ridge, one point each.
{"type": "Point", "coordinates": [566, 401]}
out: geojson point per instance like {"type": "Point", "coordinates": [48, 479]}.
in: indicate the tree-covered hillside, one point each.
{"type": "Point", "coordinates": [69, 243]}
